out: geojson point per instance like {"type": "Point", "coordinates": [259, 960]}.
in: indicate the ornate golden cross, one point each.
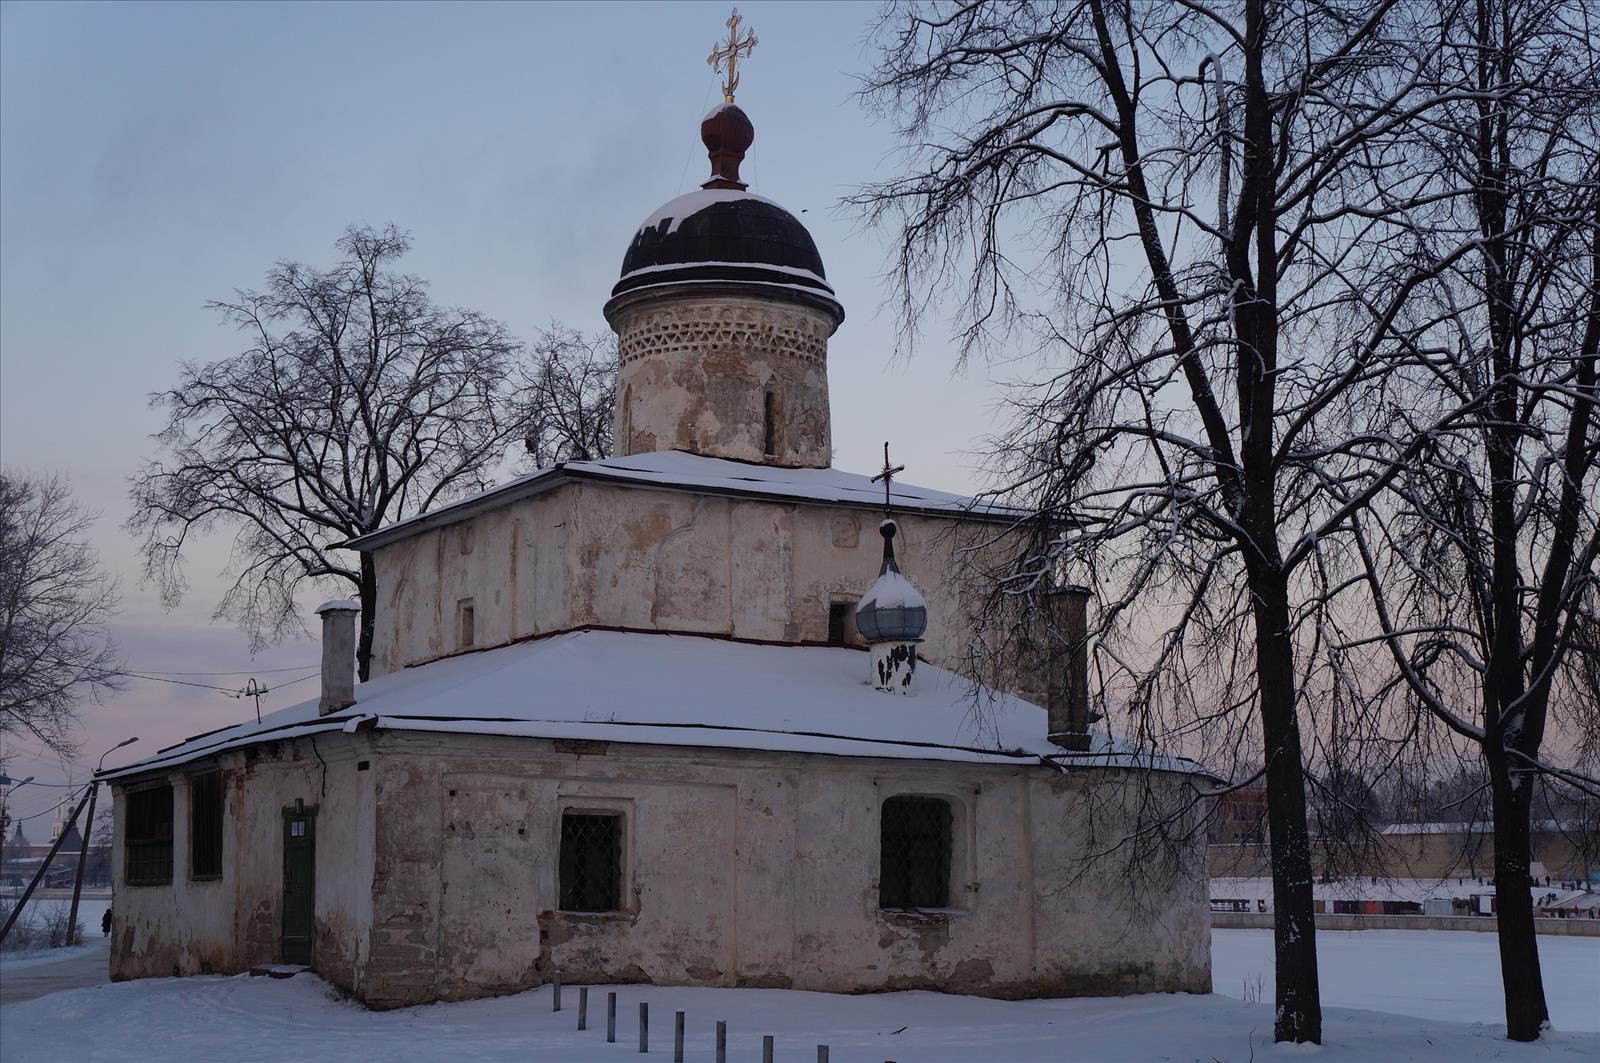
{"type": "Point", "coordinates": [732, 52]}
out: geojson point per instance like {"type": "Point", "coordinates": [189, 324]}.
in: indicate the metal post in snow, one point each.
{"type": "Point", "coordinates": [722, 1042]}
{"type": "Point", "coordinates": [766, 1049]}
{"type": "Point", "coordinates": [611, 1018]}
{"type": "Point", "coordinates": [555, 995]}
{"type": "Point", "coordinates": [822, 1054]}
{"type": "Point", "coordinates": [677, 1037]}
{"type": "Point", "coordinates": [583, 1007]}
{"type": "Point", "coordinates": [644, 1027]}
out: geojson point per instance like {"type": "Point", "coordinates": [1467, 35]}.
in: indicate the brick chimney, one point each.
{"type": "Point", "coordinates": [338, 655]}
{"type": "Point", "coordinates": [1067, 666]}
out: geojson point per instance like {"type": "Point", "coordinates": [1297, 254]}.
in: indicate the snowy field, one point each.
{"type": "Point", "coordinates": [1433, 974]}
{"type": "Point", "coordinates": [90, 909]}
{"type": "Point", "coordinates": [1420, 980]}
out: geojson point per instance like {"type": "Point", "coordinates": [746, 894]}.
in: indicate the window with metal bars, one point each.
{"type": "Point", "coordinates": [914, 853]}
{"type": "Point", "coordinates": [147, 837]}
{"type": "Point", "coordinates": [591, 861]}
{"type": "Point", "coordinates": [205, 826]}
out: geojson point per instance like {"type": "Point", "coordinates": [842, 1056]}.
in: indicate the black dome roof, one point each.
{"type": "Point", "coordinates": [723, 235]}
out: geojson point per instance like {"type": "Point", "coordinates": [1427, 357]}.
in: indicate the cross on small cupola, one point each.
{"type": "Point", "coordinates": [886, 474]}
{"type": "Point", "coordinates": [891, 615]}
{"type": "Point", "coordinates": [730, 53]}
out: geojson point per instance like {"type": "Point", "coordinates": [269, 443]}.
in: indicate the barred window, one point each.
{"type": "Point", "coordinates": [147, 837]}
{"type": "Point", "coordinates": [915, 853]}
{"type": "Point", "coordinates": [591, 861]}
{"type": "Point", "coordinates": [205, 825]}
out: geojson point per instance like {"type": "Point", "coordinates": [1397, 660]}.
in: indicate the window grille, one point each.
{"type": "Point", "coordinates": [591, 862]}
{"type": "Point", "coordinates": [147, 836]}
{"type": "Point", "coordinates": [915, 853]}
{"type": "Point", "coordinates": [205, 825]}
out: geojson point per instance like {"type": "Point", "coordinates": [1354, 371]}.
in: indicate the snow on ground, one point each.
{"type": "Point", "coordinates": [302, 1019]}
{"type": "Point", "coordinates": [90, 909]}
{"type": "Point", "coordinates": [1434, 998]}
{"type": "Point", "coordinates": [1436, 974]}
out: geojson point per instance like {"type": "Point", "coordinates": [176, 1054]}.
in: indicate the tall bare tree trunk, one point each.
{"type": "Point", "coordinates": [1294, 930]}
{"type": "Point", "coordinates": [1523, 982]}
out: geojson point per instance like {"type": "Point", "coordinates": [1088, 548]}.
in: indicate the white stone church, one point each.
{"type": "Point", "coordinates": [683, 716]}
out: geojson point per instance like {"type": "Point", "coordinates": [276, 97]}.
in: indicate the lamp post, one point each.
{"type": "Point", "coordinates": [88, 830]}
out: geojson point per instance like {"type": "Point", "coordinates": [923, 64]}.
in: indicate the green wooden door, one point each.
{"type": "Point", "coordinates": [299, 881]}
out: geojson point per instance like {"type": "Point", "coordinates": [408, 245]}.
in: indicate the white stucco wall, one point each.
{"type": "Point", "coordinates": [758, 869]}
{"type": "Point", "coordinates": [694, 373]}
{"type": "Point", "coordinates": [229, 924]}
{"type": "Point", "coordinates": [622, 556]}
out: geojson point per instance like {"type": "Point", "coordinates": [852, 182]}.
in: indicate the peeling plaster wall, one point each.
{"type": "Point", "coordinates": [746, 868]}
{"type": "Point", "coordinates": [230, 924]}
{"type": "Point", "coordinates": [694, 374]}
{"type": "Point", "coordinates": [620, 556]}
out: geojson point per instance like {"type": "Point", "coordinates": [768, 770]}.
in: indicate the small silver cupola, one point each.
{"type": "Point", "coordinates": [892, 616]}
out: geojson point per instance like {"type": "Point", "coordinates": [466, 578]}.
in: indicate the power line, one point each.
{"type": "Point", "coordinates": [177, 682]}
{"type": "Point", "coordinates": [64, 801]}
{"type": "Point", "coordinates": [239, 671]}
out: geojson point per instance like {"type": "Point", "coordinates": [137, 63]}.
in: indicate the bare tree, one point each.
{"type": "Point", "coordinates": [1482, 564]}
{"type": "Point", "coordinates": [572, 396]}
{"type": "Point", "coordinates": [1206, 365]}
{"type": "Point", "coordinates": [54, 604]}
{"type": "Point", "coordinates": [357, 402]}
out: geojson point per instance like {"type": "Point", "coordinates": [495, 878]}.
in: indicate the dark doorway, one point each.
{"type": "Point", "coordinates": [299, 882]}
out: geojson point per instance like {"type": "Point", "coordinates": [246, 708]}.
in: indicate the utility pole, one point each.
{"type": "Point", "coordinates": [38, 876]}
{"type": "Point", "coordinates": [88, 830]}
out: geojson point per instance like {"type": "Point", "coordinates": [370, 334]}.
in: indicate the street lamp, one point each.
{"type": "Point", "coordinates": [88, 829]}
{"type": "Point", "coordinates": [125, 742]}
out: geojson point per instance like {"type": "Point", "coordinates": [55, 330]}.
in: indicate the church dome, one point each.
{"type": "Point", "coordinates": [892, 610]}
{"type": "Point", "coordinates": [724, 235]}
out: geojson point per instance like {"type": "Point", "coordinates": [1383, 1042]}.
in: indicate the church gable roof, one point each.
{"type": "Point", "coordinates": [684, 690]}
{"type": "Point", "coordinates": [674, 470]}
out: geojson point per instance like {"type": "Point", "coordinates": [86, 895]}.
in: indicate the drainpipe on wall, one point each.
{"type": "Point", "coordinates": [338, 655]}
{"type": "Point", "coordinates": [1067, 666]}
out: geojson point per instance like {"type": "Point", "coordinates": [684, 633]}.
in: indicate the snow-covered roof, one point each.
{"type": "Point", "coordinates": [674, 211]}
{"type": "Point", "coordinates": [683, 690]}
{"type": "Point", "coordinates": [676, 470]}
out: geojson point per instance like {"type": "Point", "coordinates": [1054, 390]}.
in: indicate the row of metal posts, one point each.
{"type": "Point", "coordinates": [644, 1026]}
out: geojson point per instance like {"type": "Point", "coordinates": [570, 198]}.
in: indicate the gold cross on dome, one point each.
{"type": "Point", "coordinates": [731, 53]}
{"type": "Point", "coordinates": [887, 475]}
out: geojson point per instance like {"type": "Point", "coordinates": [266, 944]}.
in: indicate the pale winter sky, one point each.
{"type": "Point", "coordinates": [153, 157]}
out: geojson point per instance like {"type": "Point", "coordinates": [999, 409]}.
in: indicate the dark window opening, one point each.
{"type": "Point", "coordinates": [841, 623]}
{"type": "Point", "coordinates": [205, 825]}
{"type": "Point", "coordinates": [915, 853]}
{"type": "Point", "coordinates": [591, 862]}
{"type": "Point", "coordinates": [147, 837]}
{"type": "Point", "coordinates": [465, 623]}
{"type": "Point", "coordinates": [769, 433]}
